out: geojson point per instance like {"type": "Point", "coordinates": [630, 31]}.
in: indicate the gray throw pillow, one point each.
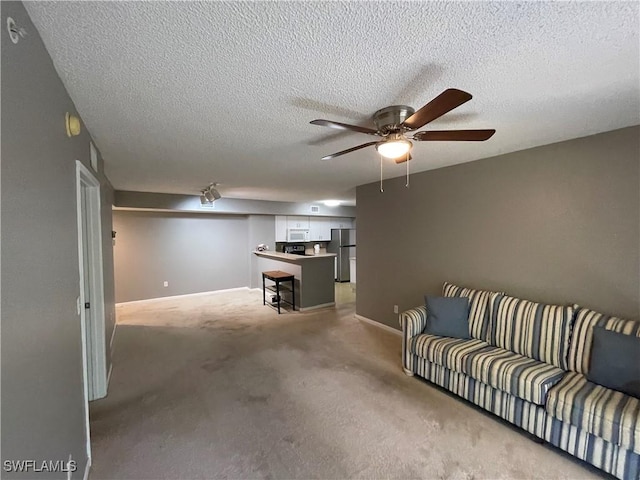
{"type": "Point", "coordinates": [615, 361]}
{"type": "Point", "coordinates": [447, 316]}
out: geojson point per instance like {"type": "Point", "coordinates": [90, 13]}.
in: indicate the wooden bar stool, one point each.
{"type": "Point", "coordinates": [278, 277]}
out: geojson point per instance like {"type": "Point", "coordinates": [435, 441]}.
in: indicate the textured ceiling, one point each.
{"type": "Point", "coordinates": [177, 94]}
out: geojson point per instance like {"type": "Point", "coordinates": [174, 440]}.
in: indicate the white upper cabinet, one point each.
{"type": "Point", "coordinates": [339, 222]}
{"type": "Point", "coordinates": [297, 222]}
{"type": "Point", "coordinates": [281, 228]}
{"type": "Point", "coordinates": [320, 229]}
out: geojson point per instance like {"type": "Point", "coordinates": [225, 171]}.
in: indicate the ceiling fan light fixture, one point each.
{"type": "Point", "coordinates": [394, 148]}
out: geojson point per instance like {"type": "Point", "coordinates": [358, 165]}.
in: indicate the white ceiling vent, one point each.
{"type": "Point", "coordinates": [315, 209]}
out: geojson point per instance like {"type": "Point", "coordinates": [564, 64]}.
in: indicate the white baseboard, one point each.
{"type": "Point", "coordinates": [109, 374]}
{"type": "Point", "coordinates": [113, 335]}
{"type": "Point", "coordinates": [199, 294]}
{"type": "Point", "coordinates": [87, 468]}
{"type": "Point", "coordinates": [305, 309]}
{"type": "Point", "coordinates": [315, 307]}
{"type": "Point", "coordinates": [379, 325]}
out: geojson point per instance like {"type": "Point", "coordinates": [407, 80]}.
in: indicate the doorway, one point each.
{"type": "Point", "coordinates": [345, 293]}
{"type": "Point", "coordinates": [91, 300]}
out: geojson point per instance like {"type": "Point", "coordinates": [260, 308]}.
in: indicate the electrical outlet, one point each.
{"type": "Point", "coordinates": [395, 309]}
{"type": "Point", "coordinates": [166, 284]}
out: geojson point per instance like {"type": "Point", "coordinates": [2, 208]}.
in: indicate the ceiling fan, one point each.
{"type": "Point", "coordinates": [393, 123]}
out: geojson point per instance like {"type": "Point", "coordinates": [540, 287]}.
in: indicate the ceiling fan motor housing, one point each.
{"type": "Point", "coordinates": [389, 119]}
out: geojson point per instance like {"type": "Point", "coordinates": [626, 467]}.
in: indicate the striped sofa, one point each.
{"type": "Point", "coordinates": [527, 363]}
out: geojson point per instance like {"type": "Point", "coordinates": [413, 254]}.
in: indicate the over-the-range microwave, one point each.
{"type": "Point", "coordinates": [298, 235]}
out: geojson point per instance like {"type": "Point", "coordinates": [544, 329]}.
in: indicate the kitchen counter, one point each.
{"type": "Point", "coordinates": [292, 258]}
{"type": "Point", "coordinates": [313, 274]}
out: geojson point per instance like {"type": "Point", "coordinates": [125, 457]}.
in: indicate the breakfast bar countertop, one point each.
{"type": "Point", "coordinates": [314, 275]}
{"type": "Point", "coordinates": [292, 258]}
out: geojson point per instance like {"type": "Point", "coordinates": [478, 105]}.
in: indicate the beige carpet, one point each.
{"type": "Point", "coordinates": [219, 386]}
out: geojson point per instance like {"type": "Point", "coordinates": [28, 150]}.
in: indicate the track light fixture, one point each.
{"type": "Point", "coordinates": [210, 194]}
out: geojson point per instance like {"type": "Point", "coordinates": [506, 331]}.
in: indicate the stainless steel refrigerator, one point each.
{"type": "Point", "coordinates": [343, 244]}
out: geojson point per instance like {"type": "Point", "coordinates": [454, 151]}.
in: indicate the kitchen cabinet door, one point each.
{"type": "Point", "coordinates": [320, 229]}
{"type": "Point", "coordinates": [281, 228]}
{"type": "Point", "coordinates": [297, 222]}
{"type": "Point", "coordinates": [339, 222]}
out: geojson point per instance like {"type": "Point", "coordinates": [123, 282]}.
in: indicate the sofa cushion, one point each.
{"type": "Point", "coordinates": [615, 361]}
{"type": "Point", "coordinates": [447, 316]}
{"type": "Point", "coordinates": [479, 308]}
{"type": "Point", "coordinates": [445, 351]}
{"type": "Point", "coordinates": [535, 330]}
{"type": "Point", "coordinates": [606, 413]}
{"type": "Point", "coordinates": [582, 335]}
{"type": "Point", "coordinates": [518, 375]}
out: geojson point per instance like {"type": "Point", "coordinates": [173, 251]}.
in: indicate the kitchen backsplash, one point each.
{"type": "Point", "coordinates": [308, 246]}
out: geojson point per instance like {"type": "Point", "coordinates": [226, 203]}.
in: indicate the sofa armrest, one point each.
{"type": "Point", "coordinates": [413, 321]}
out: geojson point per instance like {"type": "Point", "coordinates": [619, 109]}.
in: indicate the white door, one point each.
{"type": "Point", "coordinates": [91, 300]}
{"type": "Point", "coordinates": [85, 294]}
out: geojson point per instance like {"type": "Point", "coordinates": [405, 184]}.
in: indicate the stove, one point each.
{"type": "Point", "coordinates": [294, 249]}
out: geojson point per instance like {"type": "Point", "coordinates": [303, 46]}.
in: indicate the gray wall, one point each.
{"type": "Point", "coordinates": [262, 229]}
{"type": "Point", "coordinates": [193, 252]}
{"type": "Point", "coordinates": [106, 200]}
{"type": "Point", "coordinates": [558, 223]}
{"type": "Point", "coordinates": [42, 395]}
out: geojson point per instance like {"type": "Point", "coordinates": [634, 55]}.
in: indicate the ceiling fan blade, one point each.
{"type": "Point", "coordinates": [403, 159]}
{"type": "Point", "coordinates": [454, 135]}
{"type": "Point", "coordinates": [443, 103]}
{"type": "Point", "coordinates": [344, 126]}
{"type": "Point", "coordinates": [349, 150]}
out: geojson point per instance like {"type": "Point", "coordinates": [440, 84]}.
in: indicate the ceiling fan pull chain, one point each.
{"type": "Point", "coordinates": [381, 189]}
{"type": "Point", "coordinates": [407, 162]}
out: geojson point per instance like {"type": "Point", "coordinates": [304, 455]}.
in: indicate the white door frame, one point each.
{"type": "Point", "coordinates": [94, 347]}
